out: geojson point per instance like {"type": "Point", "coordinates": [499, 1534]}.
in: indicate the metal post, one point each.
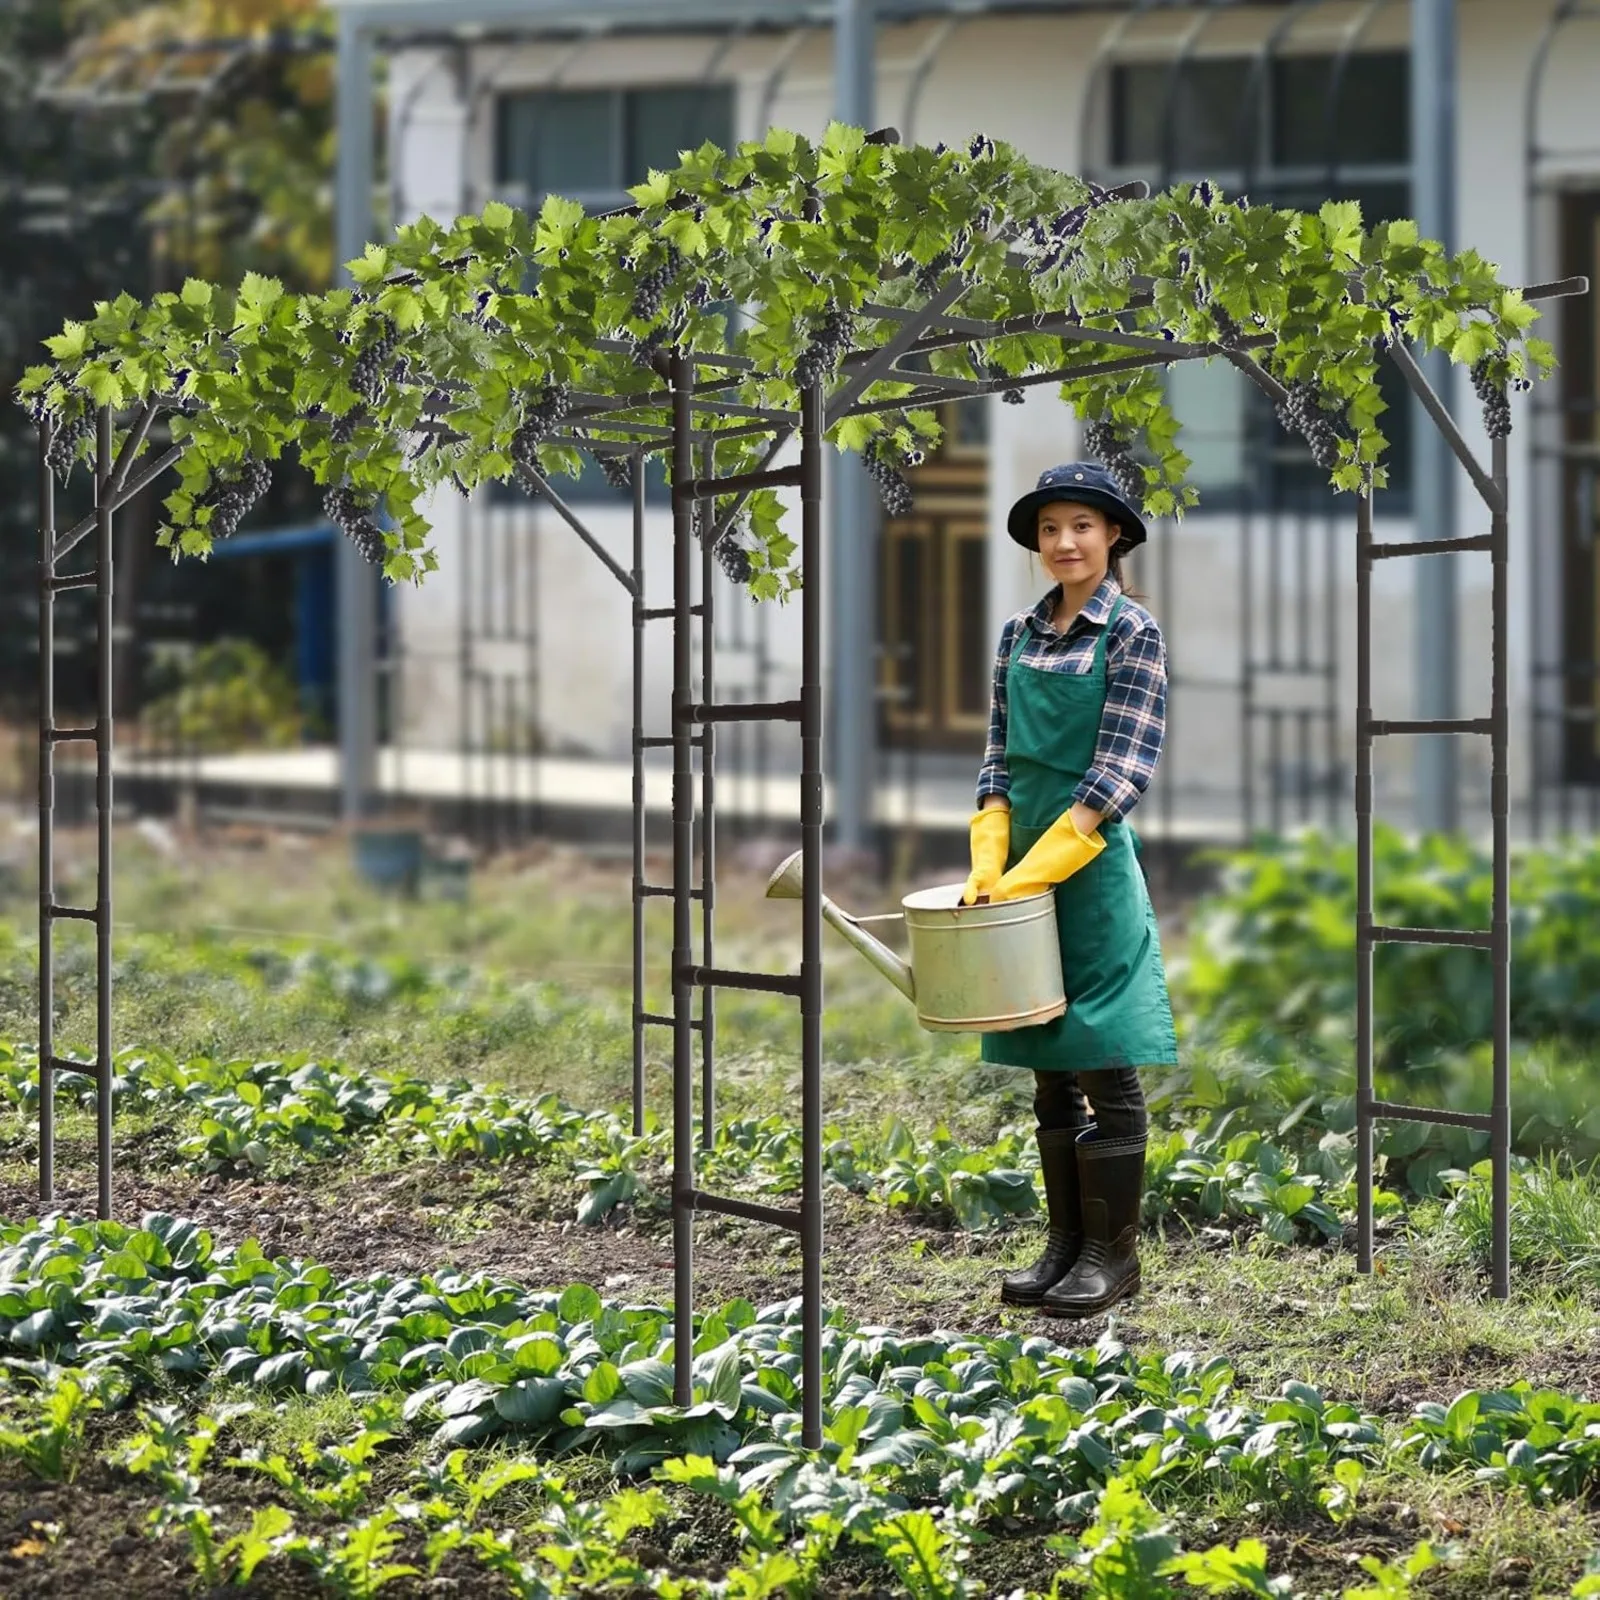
{"type": "Point", "coordinates": [1247, 675]}
{"type": "Point", "coordinates": [1499, 714]}
{"type": "Point", "coordinates": [47, 785]}
{"type": "Point", "coordinates": [357, 584]}
{"type": "Point", "coordinates": [708, 809]}
{"type": "Point", "coordinates": [105, 644]}
{"type": "Point", "coordinates": [852, 589]}
{"type": "Point", "coordinates": [811, 429]}
{"type": "Point", "coordinates": [1330, 709]}
{"type": "Point", "coordinates": [1433, 91]}
{"type": "Point", "coordinates": [681, 373]}
{"type": "Point", "coordinates": [637, 462]}
{"type": "Point", "coordinates": [1364, 1095]}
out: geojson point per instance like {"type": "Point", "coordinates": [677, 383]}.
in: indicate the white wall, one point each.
{"type": "Point", "coordinates": [1022, 79]}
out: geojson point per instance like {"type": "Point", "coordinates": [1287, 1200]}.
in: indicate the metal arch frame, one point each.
{"type": "Point", "coordinates": [1547, 459]}
{"type": "Point", "coordinates": [695, 715]}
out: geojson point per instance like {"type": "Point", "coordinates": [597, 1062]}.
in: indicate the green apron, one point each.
{"type": "Point", "coordinates": [1118, 1011]}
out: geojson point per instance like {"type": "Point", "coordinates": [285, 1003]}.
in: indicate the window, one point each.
{"type": "Point", "coordinates": [1190, 115]}
{"type": "Point", "coordinates": [591, 145]}
{"type": "Point", "coordinates": [1300, 133]}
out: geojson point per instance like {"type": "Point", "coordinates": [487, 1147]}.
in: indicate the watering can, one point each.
{"type": "Point", "coordinates": [983, 968]}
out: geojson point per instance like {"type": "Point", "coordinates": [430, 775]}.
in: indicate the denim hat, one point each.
{"type": "Point", "coordinates": [1086, 482]}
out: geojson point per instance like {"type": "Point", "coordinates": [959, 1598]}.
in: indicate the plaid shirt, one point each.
{"type": "Point", "coordinates": [1134, 721]}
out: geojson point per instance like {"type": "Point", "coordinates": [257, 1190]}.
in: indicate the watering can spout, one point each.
{"type": "Point", "coordinates": [787, 883]}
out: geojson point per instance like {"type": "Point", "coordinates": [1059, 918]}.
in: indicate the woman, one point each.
{"type": "Point", "coordinates": [1074, 734]}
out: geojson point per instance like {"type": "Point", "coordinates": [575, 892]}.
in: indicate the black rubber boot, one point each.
{"type": "Point", "coordinates": [1111, 1185]}
{"type": "Point", "coordinates": [1065, 1238]}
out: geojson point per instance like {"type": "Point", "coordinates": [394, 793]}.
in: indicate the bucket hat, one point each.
{"type": "Point", "coordinates": [1085, 481]}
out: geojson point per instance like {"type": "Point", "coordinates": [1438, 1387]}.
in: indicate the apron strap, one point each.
{"type": "Point", "coordinates": [1099, 644]}
{"type": "Point", "coordinates": [1099, 662]}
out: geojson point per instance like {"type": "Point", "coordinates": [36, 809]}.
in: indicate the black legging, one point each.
{"type": "Point", "coordinates": [1117, 1096]}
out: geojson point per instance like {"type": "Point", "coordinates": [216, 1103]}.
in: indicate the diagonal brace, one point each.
{"type": "Point", "coordinates": [885, 356]}
{"type": "Point", "coordinates": [1488, 490]}
{"type": "Point", "coordinates": [536, 483]}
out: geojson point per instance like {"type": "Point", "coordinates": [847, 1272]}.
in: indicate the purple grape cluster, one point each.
{"type": "Point", "coordinates": [929, 276]}
{"type": "Point", "coordinates": [1492, 396]}
{"type": "Point", "coordinates": [644, 349]}
{"type": "Point", "coordinates": [1230, 336]}
{"type": "Point", "coordinates": [369, 377]}
{"type": "Point", "coordinates": [1302, 412]}
{"type": "Point", "coordinates": [829, 340]}
{"type": "Point", "coordinates": [539, 416]}
{"type": "Point", "coordinates": [71, 430]}
{"type": "Point", "coordinates": [893, 489]}
{"type": "Point", "coordinates": [734, 559]}
{"type": "Point", "coordinates": [647, 292]}
{"type": "Point", "coordinates": [1115, 451]}
{"type": "Point", "coordinates": [1012, 397]}
{"type": "Point", "coordinates": [1055, 238]}
{"type": "Point", "coordinates": [231, 498]}
{"type": "Point", "coordinates": [343, 429]}
{"type": "Point", "coordinates": [353, 516]}
{"type": "Point", "coordinates": [618, 470]}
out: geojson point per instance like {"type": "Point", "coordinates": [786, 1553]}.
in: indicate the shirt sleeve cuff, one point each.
{"type": "Point", "coordinates": [996, 783]}
{"type": "Point", "coordinates": [1105, 792]}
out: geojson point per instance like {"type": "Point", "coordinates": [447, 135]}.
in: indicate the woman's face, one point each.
{"type": "Point", "coordinates": [1075, 542]}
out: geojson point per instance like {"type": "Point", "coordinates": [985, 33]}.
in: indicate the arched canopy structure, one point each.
{"type": "Point", "coordinates": [877, 280]}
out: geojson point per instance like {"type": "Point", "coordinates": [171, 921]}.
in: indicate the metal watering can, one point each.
{"type": "Point", "coordinates": [973, 969]}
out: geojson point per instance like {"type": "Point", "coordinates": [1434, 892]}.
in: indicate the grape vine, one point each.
{"type": "Point", "coordinates": [504, 316]}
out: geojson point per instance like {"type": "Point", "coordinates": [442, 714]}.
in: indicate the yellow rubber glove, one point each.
{"type": "Point", "coordinates": [991, 839]}
{"type": "Point", "coordinates": [1053, 859]}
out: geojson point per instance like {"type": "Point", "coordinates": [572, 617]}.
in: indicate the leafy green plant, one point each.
{"type": "Point", "coordinates": [1270, 964]}
{"type": "Point", "coordinates": [357, 1561]}
{"type": "Point", "coordinates": [228, 696]}
{"type": "Point", "coordinates": [342, 1469]}
{"type": "Point", "coordinates": [974, 1187]}
{"type": "Point", "coordinates": [43, 1428]}
{"type": "Point", "coordinates": [1545, 1442]}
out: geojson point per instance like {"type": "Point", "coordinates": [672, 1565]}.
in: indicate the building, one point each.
{"type": "Point", "coordinates": [512, 644]}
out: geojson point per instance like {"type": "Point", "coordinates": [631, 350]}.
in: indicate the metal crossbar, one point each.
{"type": "Point", "coordinates": [778, 1216]}
{"type": "Point", "coordinates": [1434, 725]}
{"type": "Point", "coordinates": [749, 711]}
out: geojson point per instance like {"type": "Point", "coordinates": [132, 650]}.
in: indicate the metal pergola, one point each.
{"type": "Point", "coordinates": [692, 382]}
